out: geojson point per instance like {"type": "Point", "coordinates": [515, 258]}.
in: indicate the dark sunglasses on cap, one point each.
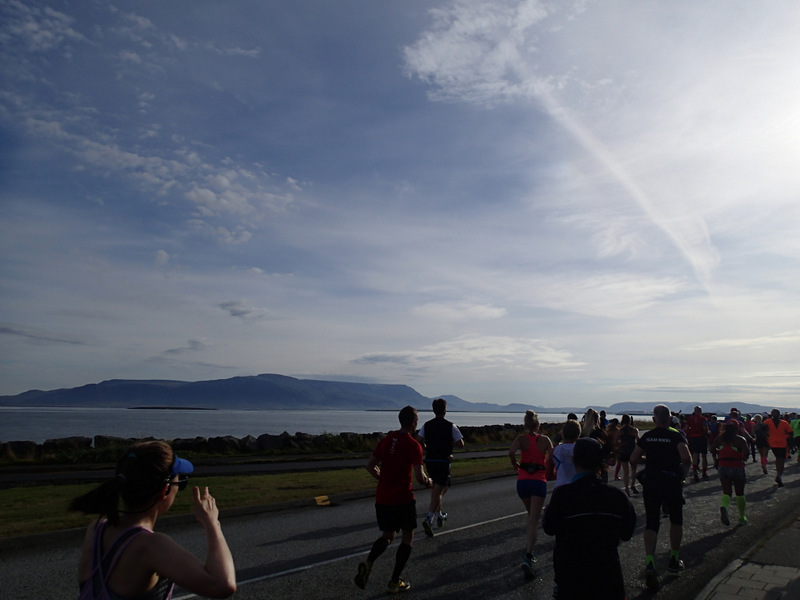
{"type": "Point", "coordinates": [181, 483]}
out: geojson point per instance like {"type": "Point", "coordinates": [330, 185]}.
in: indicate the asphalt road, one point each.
{"type": "Point", "coordinates": [312, 552]}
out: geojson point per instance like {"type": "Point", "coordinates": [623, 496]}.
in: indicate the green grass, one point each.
{"type": "Point", "coordinates": [38, 509]}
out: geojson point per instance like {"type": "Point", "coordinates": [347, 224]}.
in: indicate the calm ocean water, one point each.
{"type": "Point", "coordinates": [40, 424]}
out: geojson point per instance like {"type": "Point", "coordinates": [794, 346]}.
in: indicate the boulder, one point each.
{"type": "Point", "coordinates": [195, 444]}
{"type": "Point", "coordinates": [66, 444]}
{"type": "Point", "coordinates": [22, 450]}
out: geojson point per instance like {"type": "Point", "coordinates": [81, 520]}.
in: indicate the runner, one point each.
{"type": "Point", "coordinates": [589, 519]}
{"type": "Point", "coordinates": [667, 457]}
{"type": "Point", "coordinates": [761, 433]}
{"type": "Point", "coordinates": [438, 436]}
{"type": "Point", "coordinates": [628, 438]}
{"type": "Point", "coordinates": [562, 453]}
{"type": "Point", "coordinates": [696, 428]}
{"type": "Point", "coordinates": [778, 432]}
{"type": "Point", "coordinates": [394, 459]}
{"type": "Point", "coordinates": [531, 481]}
{"type": "Point", "coordinates": [122, 557]}
{"type": "Point", "coordinates": [732, 450]}
{"type": "Point", "coordinates": [795, 424]}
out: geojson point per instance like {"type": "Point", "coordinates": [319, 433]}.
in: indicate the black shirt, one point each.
{"type": "Point", "coordinates": [660, 446]}
{"type": "Point", "coordinates": [589, 519]}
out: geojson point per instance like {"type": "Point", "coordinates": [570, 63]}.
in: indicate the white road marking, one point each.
{"type": "Point", "coordinates": [354, 555]}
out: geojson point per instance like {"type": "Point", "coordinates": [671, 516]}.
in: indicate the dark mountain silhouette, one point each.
{"type": "Point", "coordinates": [270, 391]}
{"type": "Point", "coordinates": [266, 391]}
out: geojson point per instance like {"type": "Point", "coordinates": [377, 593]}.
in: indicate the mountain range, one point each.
{"type": "Point", "coordinates": [275, 392]}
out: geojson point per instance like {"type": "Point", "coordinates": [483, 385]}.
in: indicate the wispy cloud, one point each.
{"type": "Point", "coordinates": [786, 337]}
{"type": "Point", "coordinates": [241, 310]}
{"type": "Point", "coordinates": [39, 337]}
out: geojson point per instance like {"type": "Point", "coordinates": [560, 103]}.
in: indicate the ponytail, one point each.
{"type": "Point", "coordinates": [103, 500]}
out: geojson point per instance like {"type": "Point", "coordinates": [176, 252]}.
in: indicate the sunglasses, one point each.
{"type": "Point", "coordinates": [181, 483]}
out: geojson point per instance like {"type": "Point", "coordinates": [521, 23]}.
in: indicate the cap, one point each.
{"type": "Point", "coordinates": [587, 453]}
{"type": "Point", "coordinates": [180, 466]}
{"type": "Point", "coordinates": [734, 410]}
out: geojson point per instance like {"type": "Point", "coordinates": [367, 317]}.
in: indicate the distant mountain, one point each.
{"type": "Point", "coordinates": [266, 391]}
{"type": "Point", "coordinates": [271, 391]}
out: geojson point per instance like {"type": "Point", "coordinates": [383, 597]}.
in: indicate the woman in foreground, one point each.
{"type": "Point", "coordinates": [122, 557]}
{"type": "Point", "coordinates": [531, 480]}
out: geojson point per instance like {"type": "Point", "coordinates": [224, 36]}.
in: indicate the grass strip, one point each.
{"type": "Point", "coordinates": [38, 509]}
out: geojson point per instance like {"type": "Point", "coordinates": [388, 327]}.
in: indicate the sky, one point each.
{"type": "Point", "coordinates": [552, 203]}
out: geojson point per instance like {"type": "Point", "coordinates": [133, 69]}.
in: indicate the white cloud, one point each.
{"type": "Point", "coordinates": [460, 311]}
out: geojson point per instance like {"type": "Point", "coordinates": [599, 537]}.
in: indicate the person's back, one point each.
{"type": "Point", "coordinates": [627, 440]}
{"type": "Point", "coordinates": [659, 446]}
{"type": "Point", "coordinates": [565, 469]}
{"type": "Point", "coordinates": [589, 519]}
{"type": "Point", "coordinates": [562, 453]}
{"type": "Point", "coordinates": [438, 439]}
{"type": "Point", "coordinates": [696, 425]}
{"type": "Point", "coordinates": [398, 453]}
{"type": "Point", "coordinates": [795, 424]}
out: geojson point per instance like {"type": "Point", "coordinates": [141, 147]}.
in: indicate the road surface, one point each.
{"type": "Point", "coordinates": [312, 552]}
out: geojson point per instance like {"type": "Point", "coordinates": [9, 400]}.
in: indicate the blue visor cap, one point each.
{"type": "Point", "coordinates": [180, 467]}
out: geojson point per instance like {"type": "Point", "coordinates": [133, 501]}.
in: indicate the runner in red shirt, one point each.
{"type": "Point", "coordinates": [392, 463]}
{"type": "Point", "coordinates": [696, 428]}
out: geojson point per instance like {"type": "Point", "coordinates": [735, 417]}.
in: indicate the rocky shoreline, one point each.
{"type": "Point", "coordinates": [229, 445]}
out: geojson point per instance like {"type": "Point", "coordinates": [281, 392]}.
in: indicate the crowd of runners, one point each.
{"type": "Point", "coordinates": [660, 460]}
{"type": "Point", "coordinates": [587, 517]}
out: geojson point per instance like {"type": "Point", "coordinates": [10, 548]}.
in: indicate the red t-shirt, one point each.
{"type": "Point", "coordinates": [694, 425]}
{"type": "Point", "coordinates": [398, 452]}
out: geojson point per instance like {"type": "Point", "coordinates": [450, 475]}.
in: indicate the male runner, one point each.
{"type": "Point", "coordinates": [667, 458]}
{"type": "Point", "coordinates": [438, 436]}
{"type": "Point", "coordinates": [394, 459]}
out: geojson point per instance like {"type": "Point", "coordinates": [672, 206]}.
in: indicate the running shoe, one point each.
{"type": "Point", "coordinates": [743, 521]}
{"type": "Point", "coordinates": [397, 586]}
{"type": "Point", "coordinates": [651, 577]}
{"type": "Point", "coordinates": [675, 565]}
{"type": "Point", "coordinates": [723, 515]}
{"type": "Point", "coordinates": [426, 525]}
{"type": "Point", "coordinates": [764, 469]}
{"type": "Point", "coordinates": [441, 520]}
{"type": "Point", "coordinates": [363, 574]}
{"type": "Point", "coordinates": [527, 566]}
{"type": "Point", "coordinates": [618, 478]}
{"type": "Point", "coordinates": [779, 481]}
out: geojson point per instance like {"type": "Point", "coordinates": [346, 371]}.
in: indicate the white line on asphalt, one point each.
{"type": "Point", "coordinates": [349, 556]}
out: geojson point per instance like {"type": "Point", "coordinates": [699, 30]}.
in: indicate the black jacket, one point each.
{"type": "Point", "coordinates": [589, 519]}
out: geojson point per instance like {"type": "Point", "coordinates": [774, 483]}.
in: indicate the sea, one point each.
{"type": "Point", "coordinates": [43, 423]}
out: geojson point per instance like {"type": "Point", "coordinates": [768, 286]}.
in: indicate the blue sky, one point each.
{"type": "Point", "coordinates": [512, 201]}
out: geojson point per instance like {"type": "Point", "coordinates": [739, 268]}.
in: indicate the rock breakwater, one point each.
{"type": "Point", "coordinates": [106, 447]}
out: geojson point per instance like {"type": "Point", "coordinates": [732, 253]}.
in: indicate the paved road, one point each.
{"type": "Point", "coordinates": [312, 552]}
